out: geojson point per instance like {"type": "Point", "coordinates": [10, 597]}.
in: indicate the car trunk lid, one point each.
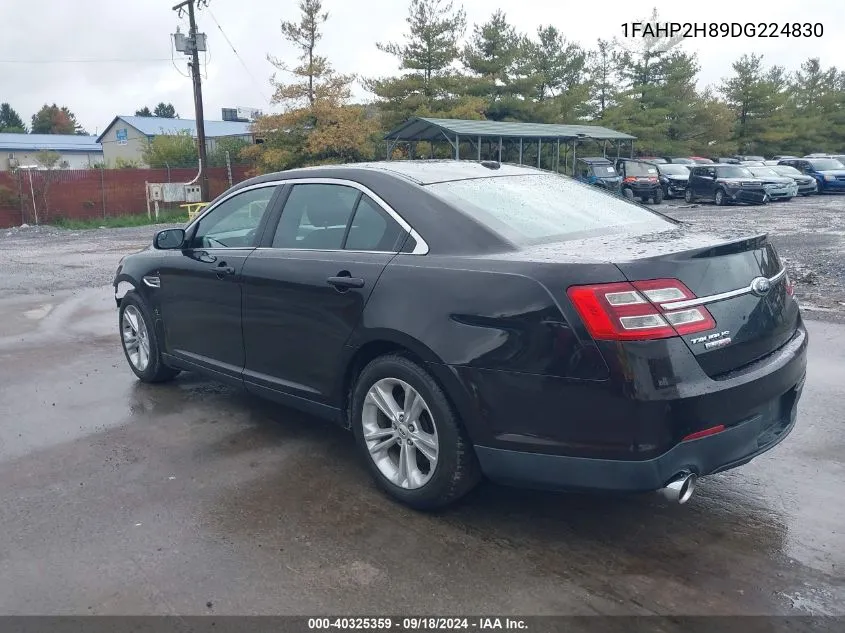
{"type": "Point", "coordinates": [741, 282]}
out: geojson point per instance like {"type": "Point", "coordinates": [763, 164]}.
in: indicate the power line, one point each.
{"type": "Point", "coordinates": [238, 55]}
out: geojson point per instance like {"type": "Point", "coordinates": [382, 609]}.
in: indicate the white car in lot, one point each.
{"type": "Point", "coordinates": [778, 187]}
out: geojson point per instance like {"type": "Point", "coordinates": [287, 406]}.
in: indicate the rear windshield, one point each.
{"type": "Point", "coordinates": [825, 164]}
{"type": "Point", "coordinates": [544, 207]}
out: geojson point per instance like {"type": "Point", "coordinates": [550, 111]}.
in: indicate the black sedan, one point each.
{"type": "Point", "coordinates": [467, 319]}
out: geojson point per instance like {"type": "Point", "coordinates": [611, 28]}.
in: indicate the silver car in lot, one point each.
{"type": "Point", "coordinates": [806, 184]}
{"type": "Point", "coordinates": [777, 186]}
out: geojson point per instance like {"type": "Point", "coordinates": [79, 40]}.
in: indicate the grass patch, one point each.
{"type": "Point", "coordinates": [120, 221]}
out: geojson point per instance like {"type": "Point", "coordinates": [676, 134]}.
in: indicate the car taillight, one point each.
{"type": "Point", "coordinates": [631, 311]}
{"type": "Point", "coordinates": [790, 287]}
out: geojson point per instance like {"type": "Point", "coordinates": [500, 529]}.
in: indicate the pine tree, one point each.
{"type": "Point", "coordinates": [10, 120]}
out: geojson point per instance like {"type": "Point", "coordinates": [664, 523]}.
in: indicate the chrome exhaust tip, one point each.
{"type": "Point", "coordinates": [680, 488]}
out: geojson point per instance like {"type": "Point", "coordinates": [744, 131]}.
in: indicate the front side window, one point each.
{"type": "Point", "coordinates": [234, 222]}
{"type": "Point", "coordinates": [543, 208]}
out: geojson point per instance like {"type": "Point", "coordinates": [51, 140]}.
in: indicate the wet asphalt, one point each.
{"type": "Point", "coordinates": [192, 498]}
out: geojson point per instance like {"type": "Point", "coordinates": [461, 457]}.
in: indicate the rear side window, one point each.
{"type": "Point", "coordinates": [544, 207]}
{"type": "Point", "coordinates": [315, 217]}
{"type": "Point", "coordinates": [372, 229]}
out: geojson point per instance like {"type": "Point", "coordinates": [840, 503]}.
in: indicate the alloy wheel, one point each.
{"type": "Point", "coordinates": [136, 340]}
{"type": "Point", "coordinates": [400, 433]}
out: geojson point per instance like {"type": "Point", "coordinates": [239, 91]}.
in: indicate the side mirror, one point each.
{"type": "Point", "coordinates": [169, 239]}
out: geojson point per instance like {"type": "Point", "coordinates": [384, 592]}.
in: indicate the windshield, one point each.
{"type": "Point", "coordinates": [680, 170]}
{"type": "Point", "coordinates": [640, 169]}
{"type": "Point", "coordinates": [683, 161]}
{"type": "Point", "coordinates": [825, 164]}
{"type": "Point", "coordinates": [786, 170]}
{"type": "Point", "coordinates": [543, 208]}
{"type": "Point", "coordinates": [755, 159]}
{"type": "Point", "coordinates": [734, 172]}
{"type": "Point", "coordinates": [604, 171]}
{"type": "Point", "coordinates": [763, 171]}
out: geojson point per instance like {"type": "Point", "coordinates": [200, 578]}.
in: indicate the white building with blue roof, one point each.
{"type": "Point", "coordinates": [75, 151]}
{"type": "Point", "coordinates": [127, 136]}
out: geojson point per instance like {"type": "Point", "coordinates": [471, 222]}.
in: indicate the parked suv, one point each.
{"type": "Point", "coordinates": [639, 180]}
{"type": "Point", "coordinates": [828, 172]}
{"type": "Point", "coordinates": [725, 184]}
{"type": "Point", "coordinates": [597, 171]}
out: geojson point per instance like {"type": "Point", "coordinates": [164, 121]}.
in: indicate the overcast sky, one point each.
{"type": "Point", "coordinates": [41, 37]}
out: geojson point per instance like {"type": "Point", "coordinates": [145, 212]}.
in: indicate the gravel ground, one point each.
{"type": "Point", "coordinates": [808, 232]}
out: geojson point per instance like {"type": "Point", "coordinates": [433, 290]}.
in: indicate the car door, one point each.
{"type": "Point", "coordinates": [696, 180]}
{"type": "Point", "coordinates": [200, 285]}
{"type": "Point", "coordinates": [708, 183]}
{"type": "Point", "coordinates": [306, 286]}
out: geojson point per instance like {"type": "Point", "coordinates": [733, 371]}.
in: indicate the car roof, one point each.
{"type": "Point", "coordinates": [594, 159]}
{"type": "Point", "coordinates": [421, 172]}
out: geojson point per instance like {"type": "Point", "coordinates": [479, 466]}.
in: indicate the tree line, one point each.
{"type": "Point", "coordinates": [53, 119]}
{"type": "Point", "coordinates": [492, 71]}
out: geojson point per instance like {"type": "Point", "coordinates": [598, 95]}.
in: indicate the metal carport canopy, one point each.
{"type": "Point", "coordinates": [426, 129]}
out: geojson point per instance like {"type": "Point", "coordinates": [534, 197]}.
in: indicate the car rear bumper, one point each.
{"type": "Point", "coordinates": [547, 432]}
{"type": "Point", "coordinates": [704, 456]}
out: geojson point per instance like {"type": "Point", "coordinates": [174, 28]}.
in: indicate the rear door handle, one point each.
{"type": "Point", "coordinates": [345, 282]}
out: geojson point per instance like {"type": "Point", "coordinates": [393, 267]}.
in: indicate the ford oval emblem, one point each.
{"type": "Point", "coordinates": [761, 286]}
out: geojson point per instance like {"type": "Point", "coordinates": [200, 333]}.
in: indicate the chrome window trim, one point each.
{"type": "Point", "coordinates": [228, 196]}
{"type": "Point", "coordinates": [421, 247]}
{"type": "Point", "coordinates": [730, 294]}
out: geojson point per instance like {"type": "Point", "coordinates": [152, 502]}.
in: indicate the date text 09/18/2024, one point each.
{"type": "Point", "coordinates": [722, 29]}
{"type": "Point", "coordinates": [416, 623]}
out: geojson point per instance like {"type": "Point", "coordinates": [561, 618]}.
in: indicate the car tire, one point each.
{"type": "Point", "coordinates": [140, 343]}
{"type": "Point", "coordinates": [719, 198]}
{"type": "Point", "coordinates": [432, 426]}
{"type": "Point", "coordinates": [658, 196]}
{"type": "Point", "coordinates": [628, 193]}
{"type": "Point", "coordinates": [689, 197]}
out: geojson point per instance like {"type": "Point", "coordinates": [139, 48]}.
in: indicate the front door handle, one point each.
{"type": "Point", "coordinates": [221, 270]}
{"type": "Point", "coordinates": [343, 282]}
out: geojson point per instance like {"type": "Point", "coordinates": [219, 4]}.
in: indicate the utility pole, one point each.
{"type": "Point", "coordinates": [192, 46]}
